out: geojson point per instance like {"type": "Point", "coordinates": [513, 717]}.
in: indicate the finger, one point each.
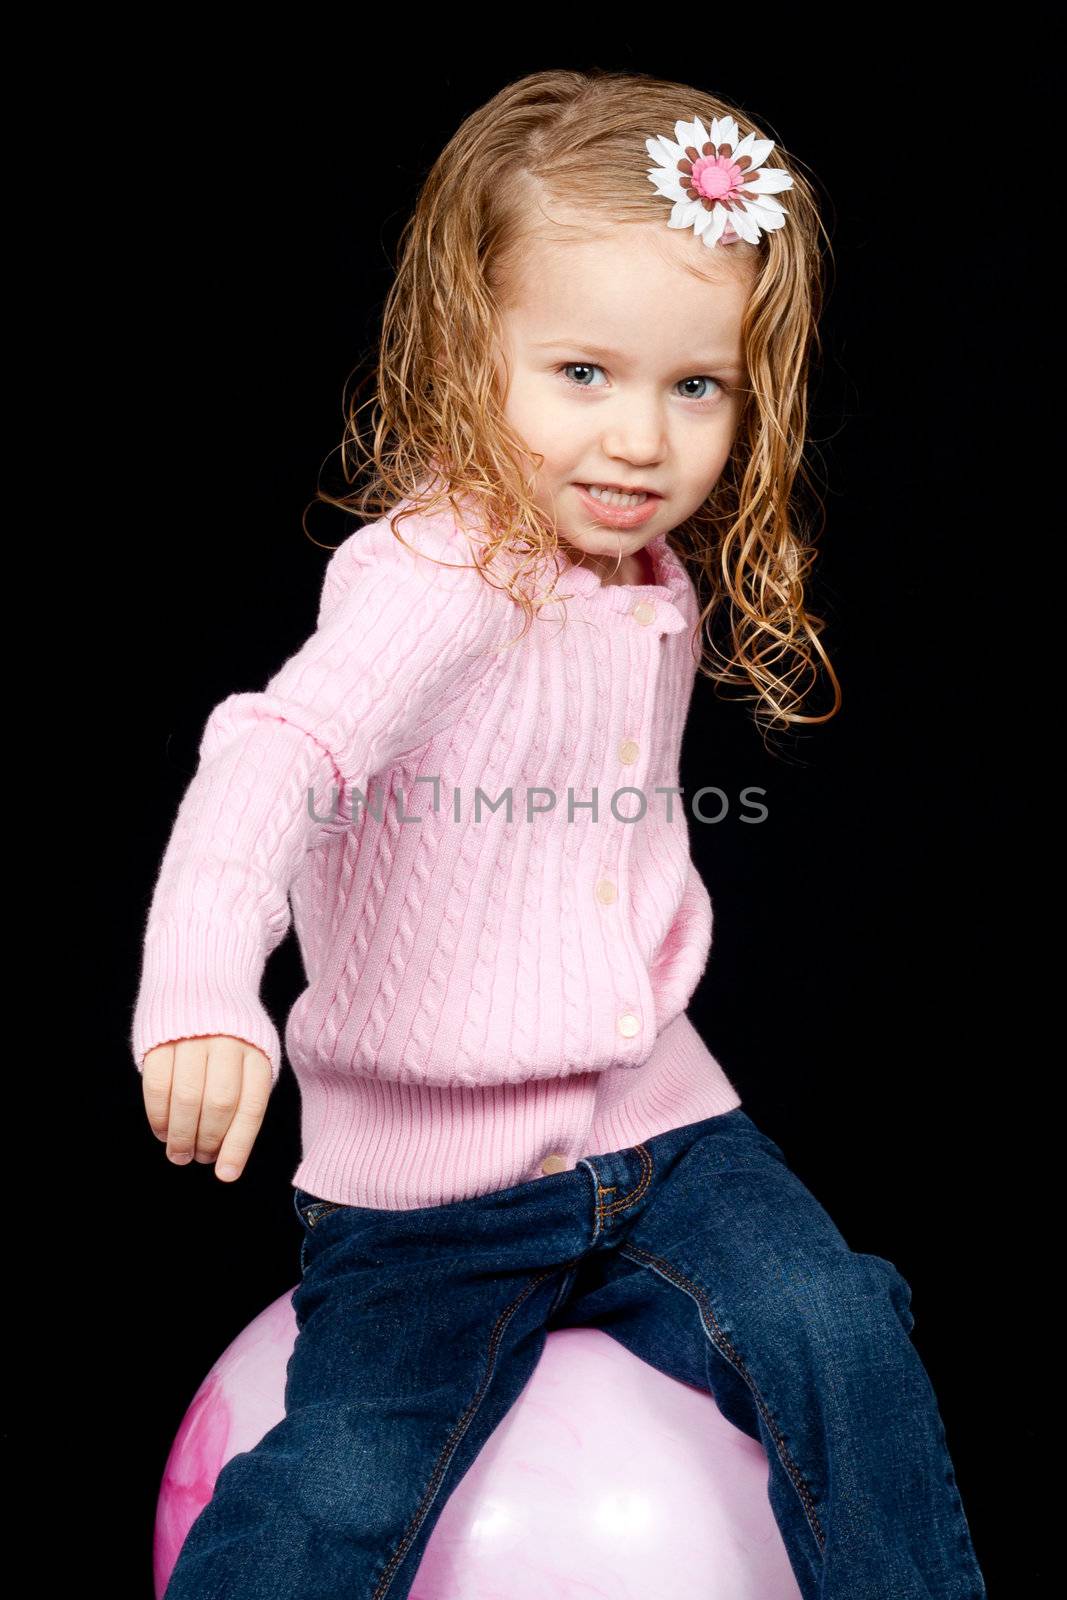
{"type": "Point", "coordinates": [186, 1096]}
{"type": "Point", "coordinates": [156, 1073]}
{"type": "Point", "coordinates": [247, 1119]}
{"type": "Point", "coordinates": [222, 1091]}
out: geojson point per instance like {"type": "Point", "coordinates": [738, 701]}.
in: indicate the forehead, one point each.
{"type": "Point", "coordinates": [579, 278]}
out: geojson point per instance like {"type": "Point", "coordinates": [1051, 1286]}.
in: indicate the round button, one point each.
{"type": "Point", "coordinates": [605, 892]}
{"type": "Point", "coordinates": [629, 1025]}
{"type": "Point", "coordinates": [554, 1163]}
{"type": "Point", "coordinates": [629, 751]}
{"type": "Point", "coordinates": [644, 612]}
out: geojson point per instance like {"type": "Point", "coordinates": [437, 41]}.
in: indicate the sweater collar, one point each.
{"type": "Point", "coordinates": [615, 602]}
{"type": "Point", "coordinates": [666, 595]}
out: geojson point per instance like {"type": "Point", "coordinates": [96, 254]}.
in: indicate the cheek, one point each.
{"type": "Point", "coordinates": [543, 427]}
{"type": "Point", "coordinates": [708, 455]}
{"type": "Point", "coordinates": [703, 468]}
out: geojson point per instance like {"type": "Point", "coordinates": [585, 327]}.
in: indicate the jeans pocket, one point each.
{"type": "Point", "coordinates": [310, 1209]}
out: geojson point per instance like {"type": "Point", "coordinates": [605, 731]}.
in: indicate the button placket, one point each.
{"type": "Point", "coordinates": [634, 1013]}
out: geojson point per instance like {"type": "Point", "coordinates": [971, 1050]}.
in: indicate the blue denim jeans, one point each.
{"type": "Point", "coordinates": [705, 1256]}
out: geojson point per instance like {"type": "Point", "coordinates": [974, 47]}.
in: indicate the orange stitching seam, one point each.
{"type": "Point", "coordinates": [737, 1360]}
{"type": "Point", "coordinates": [635, 1194]}
{"type": "Point", "coordinates": [455, 1436]}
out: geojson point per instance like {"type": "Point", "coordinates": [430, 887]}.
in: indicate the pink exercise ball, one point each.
{"type": "Point", "coordinates": [602, 1467]}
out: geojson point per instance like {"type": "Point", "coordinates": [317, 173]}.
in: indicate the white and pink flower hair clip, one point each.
{"type": "Point", "coordinates": [717, 181]}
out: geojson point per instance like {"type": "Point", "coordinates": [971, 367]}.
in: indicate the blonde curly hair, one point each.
{"type": "Point", "coordinates": [439, 429]}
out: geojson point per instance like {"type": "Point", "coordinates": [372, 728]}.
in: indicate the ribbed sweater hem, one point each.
{"type": "Point", "coordinates": [377, 1143]}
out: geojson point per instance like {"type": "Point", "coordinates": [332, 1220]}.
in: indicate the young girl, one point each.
{"type": "Point", "coordinates": [466, 785]}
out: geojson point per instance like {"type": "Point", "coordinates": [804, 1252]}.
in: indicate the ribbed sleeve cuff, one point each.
{"type": "Point", "coordinates": [199, 978]}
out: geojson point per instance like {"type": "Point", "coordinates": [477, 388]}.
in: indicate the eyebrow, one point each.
{"type": "Point", "coordinates": [617, 355]}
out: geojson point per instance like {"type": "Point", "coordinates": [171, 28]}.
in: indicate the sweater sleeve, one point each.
{"type": "Point", "coordinates": [391, 639]}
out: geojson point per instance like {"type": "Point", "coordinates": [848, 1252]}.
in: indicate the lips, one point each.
{"type": "Point", "coordinates": [620, 517]}
{"type": "Point", "coordinates": [633, 488]}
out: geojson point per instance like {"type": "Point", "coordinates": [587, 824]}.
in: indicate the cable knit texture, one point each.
{"type": "Point", "coordinates": [484, 852]}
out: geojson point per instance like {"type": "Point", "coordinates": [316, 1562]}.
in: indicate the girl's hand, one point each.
{"type": "Point", "coordinates": [207, 1097]}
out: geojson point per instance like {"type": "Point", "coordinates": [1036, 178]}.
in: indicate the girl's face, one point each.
{"type": "Point", "coordinates": [625, 370]}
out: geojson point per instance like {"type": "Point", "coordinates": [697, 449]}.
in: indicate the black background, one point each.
{"type": "Point", "coordinates": [232, 214]}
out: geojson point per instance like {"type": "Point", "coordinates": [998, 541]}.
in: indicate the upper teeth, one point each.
{"type": "Point", "coordinates": [613, 497]}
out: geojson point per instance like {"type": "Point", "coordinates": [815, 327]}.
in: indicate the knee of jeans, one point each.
{"type": "Point", "coordinates": [838, 1290]}
{"type": "Point", "coordinates": [897, 1285]}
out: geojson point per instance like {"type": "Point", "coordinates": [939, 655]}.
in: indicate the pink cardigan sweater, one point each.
{"type": "Point", "coordinates": [500, 943]}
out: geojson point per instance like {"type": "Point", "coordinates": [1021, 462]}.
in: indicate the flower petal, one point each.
{"type": "Point", "coordinates": [770, 180]}
{"type": "Point", "coordinates": [668, 184]}
{"type": "Point", "coordinates": [745, 224]}
{"type": "Point", "coordinates": [757, 150]}
{"type": "Point", "coordinates": [771, 220]}
{"type": "Point", "coordinates": [688, 133]}
{"type": "Point", "coordinates": [762, 213]}
{"type": "Point", "coordinates": [665, 151]}
{"type": "Point", "coordinates": [685, 213]}
{"type": "Point", "coordinates": [717, 220]}
{"type": "Point", "coordinates": [765, 203]}
{"type": "Point", "coordinates": [724, 130]}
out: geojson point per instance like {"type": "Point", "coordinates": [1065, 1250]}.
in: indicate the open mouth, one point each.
{"type": "Point", "coordinates": [614, 510]}
{"type": "Point", "coordinates": [617, 497]}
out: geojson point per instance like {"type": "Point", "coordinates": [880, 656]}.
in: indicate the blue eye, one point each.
{"type": "Point", "coordinates": [715, 381]}
{"type": "Point", "coordinates": [580, 366]}
{"type": "Point", "coordinates": [588, 366]}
